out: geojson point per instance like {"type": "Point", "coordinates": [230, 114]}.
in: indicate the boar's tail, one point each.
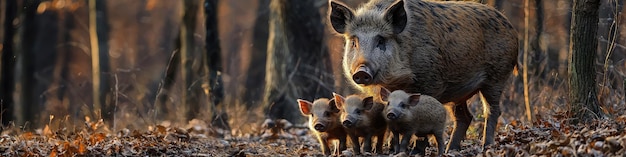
{"type": "Point", "coordinates": [516, 70]}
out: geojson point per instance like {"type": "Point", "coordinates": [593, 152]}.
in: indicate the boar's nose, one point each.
{"type": "Point", "coordinates": [392, 116]}
{"type": "Point", "coordinates": [347, 123]}
{"type": "Point", "coordinates": [319, 127]}
{"type": "Point", "coordinates": [362, 75]}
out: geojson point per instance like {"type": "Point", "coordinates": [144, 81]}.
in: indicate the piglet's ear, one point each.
{"type": "Point", "coordinates": [414, 99]}
{"type": "Point", "coordinates": [305, 107]}
{"type": "Point", "coordinates": [384, 94]}
{"type": "Point", "coordinates": [368, 102]}
{"type": "Point", "coordinates": [396, 15]}
{"type": "Point", "coordinates": [332, 106]}
{"type": "Point", "coordinates": [339, 16]}
{"type": "Point", "coordinates": [338, 100]}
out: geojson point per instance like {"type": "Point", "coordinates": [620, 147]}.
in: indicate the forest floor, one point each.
{"type": "Point", "coordinates": [551, 137]}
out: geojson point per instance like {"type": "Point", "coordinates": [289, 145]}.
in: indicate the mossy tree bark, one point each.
{"type": "Point", "coordinates": [581, 71]}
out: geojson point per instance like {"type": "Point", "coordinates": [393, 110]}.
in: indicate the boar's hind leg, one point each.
{"type": "Point", "coordinates": [491, 104]}
{"type": "Point", "coordinates": [462, 120]}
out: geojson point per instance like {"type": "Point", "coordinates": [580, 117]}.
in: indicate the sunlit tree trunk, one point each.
{"type": "Point", "coordinates": [7, 61]}
{"type": "Point", "coordinates": [525, 61]}
{"type": "Point", "coordinates": [298, 64]}
{"type": "Point", "coordinates": [581, 71]}
{"type": "Point", "coordinates": [98, 29]}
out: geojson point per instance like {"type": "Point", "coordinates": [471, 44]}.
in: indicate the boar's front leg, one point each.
{"type": "Point", "coordinates": [342, 144]}
{"type": "Point", "coordinates": [420, 145]}
{"type": "Point", "coordinates": [324, 145]}
{"type": "Point", "coordinates": [380, 139]}
{"type": "Point", "coordinates": [406, 138]}
{"type": "Point", "coordinates": [367, 143]}
{"type": "Point", "coordinates": [356, 147]}
{"type": "Point", "coordinates": [395, 142]}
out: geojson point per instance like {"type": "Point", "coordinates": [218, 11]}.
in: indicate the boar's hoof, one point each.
{"type": "Point", "coordinates": [319, 127]}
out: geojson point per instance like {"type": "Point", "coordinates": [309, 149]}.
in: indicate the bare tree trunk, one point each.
{"type": "Point", "coordinates": [298, 64]}
{"type": "Point", "coordinates": [214, 65]}
{"type": "Point", "coordinates": [98, 29]}
{"type": "Point", "coordinates": [581, 71]}
{"type": "Point", "coordinates": [498, 4]}
{"type": "Point", "coordinates": [27, 111]}
{"type": "Point", "coordinates": [525, 60]}
{"type": "Point", "coordinates": [187, 55]}
{"type": "Point", "coordinates": [539, 58]}
{"type": "Point", "coordinates": [256, 69]}
{"type": "Point", "coordinates": [7, 62]}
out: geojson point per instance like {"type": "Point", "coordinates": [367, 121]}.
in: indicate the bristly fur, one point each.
{"type": "Point", "coordinates": [425, 117]}
{"type": "Point", "coordinates": [316, 113]}
{"type": "Point", "coordinates": [368, 122]}
{"type": "Point", "coordinates": [448, 50]}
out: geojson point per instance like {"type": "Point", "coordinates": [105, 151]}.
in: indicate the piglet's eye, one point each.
{"type": "Point", "coordinates": [354, 42]}
{"type": "Point", "coordinates": [357, 111]}
{"type": "Point", "coordinates": [326, 114]}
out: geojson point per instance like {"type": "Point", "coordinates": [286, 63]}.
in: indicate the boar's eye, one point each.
{"type": "Point", "coordinates": [354, 42]}
{"type": "Point", "coordinates": [381, 43]}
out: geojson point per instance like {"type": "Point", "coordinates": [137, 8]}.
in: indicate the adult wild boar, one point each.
{"type": "Point", "coordinates": [448, 50]}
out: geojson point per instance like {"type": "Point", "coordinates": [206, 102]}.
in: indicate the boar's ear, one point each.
{"type": "Point", "coordinates": [332, 106]}
{"type": "Point", "coordinates": [339, 16]}
{"type": "Point", "coordinates": [396, 15]}
{"type": "Point", "coordinates": [305, 107]}
{"type": "Point", "coordinates": [414, 99]}
{"type": "Point", "coordinates": [384, 93]}
{"type": "Point", "coordinates": [338, 100]}
{"type": "Point", "coordinates": [368, 102]}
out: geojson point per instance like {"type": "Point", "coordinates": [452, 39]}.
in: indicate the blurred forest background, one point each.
{"type": "Point", "coordinates": [269, 54]}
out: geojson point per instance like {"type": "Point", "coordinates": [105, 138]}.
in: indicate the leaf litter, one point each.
{"type": "Point", "coordinates": [547, 137]}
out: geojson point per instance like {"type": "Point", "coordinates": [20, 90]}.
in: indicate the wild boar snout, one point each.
{"type": "Point", "coordinates": [347, 123]}
{"type": "Point", "coordinates": [320, 127]}
{"type": "Point", "coordinates": [392, 116]}
{"type": "Point", "coordinates": [363, 75]}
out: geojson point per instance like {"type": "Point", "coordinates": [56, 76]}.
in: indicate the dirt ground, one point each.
{"type": "Point", "coordinates": [551, 137]}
